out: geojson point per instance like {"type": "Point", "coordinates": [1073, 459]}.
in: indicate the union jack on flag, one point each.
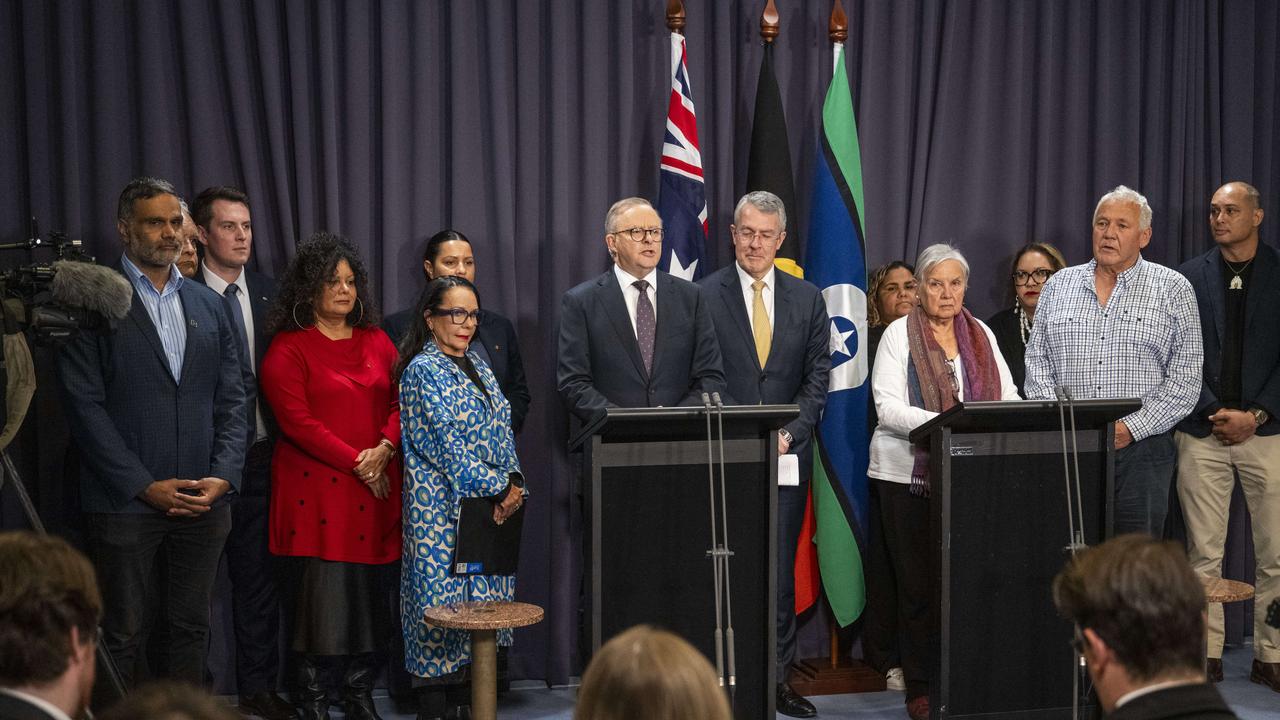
{"type": "Point", "coordinates": [682, 197]}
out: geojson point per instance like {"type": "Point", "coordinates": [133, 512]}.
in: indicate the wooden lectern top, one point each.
{"type": "Point", "coordinates": [484, 615]}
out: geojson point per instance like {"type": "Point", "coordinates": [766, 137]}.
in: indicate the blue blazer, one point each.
{"type": "Point", "coordinates": [799, 360]}
{"type": "Point", "coordinates": [135, 424]}
{"type": "Point", "coordinates": [1260, 371]}
{"type": "Point", "coordinates": [598, 357]}
{"type": "Point", "coordinates": [498, 336]}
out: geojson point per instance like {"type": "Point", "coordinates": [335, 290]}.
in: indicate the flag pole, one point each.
{"type": "Point", "coordinates": [769, 22]}
{"type": "Point", "coordinates": [838, 31]}
{"type": "Point", "coordinates": [675, 16]}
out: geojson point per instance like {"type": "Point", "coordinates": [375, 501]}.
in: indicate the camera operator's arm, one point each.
{"type": "Point", "coordinates": [80, 367]}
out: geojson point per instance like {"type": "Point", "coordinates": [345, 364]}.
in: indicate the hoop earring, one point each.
{"type": "Point", "coordinates": [357, 322]}
{"type": "Point", "coordinates": [295, 316]}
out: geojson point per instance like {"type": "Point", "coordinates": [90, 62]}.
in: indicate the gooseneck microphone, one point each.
{"type": "Point", "coordinates": [714, 550]}
{"type": "Point", "coordinates": [726, 553]}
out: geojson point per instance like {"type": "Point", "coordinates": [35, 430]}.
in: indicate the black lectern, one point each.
{"type": "Point", "coordinates": [649, 530]}
{"type": "Point", "coordinates": [1000, 527]}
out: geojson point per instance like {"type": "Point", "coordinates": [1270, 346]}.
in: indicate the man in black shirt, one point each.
{"type": "Point", "coordinates": [1232, 429]}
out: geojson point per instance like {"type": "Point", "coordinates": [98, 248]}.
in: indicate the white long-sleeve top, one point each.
{"type": "Point", "coordinates": [891, 457]}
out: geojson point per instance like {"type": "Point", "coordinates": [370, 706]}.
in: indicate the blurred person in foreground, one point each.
{"type": "Point", "coordinates": [1138, 610]}
{"type": "Point", "coordinates": [167, 700]}
{"type": "Point", "coordinates": [49, 613]}
{"type": "Point", "coordinates": [644, 674]}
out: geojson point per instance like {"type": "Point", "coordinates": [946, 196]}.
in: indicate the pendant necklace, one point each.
{"type": "Point", "coordinates": [1236, 283]}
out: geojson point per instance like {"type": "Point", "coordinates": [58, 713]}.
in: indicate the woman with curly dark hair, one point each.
{"type": "Point", "coordinates": [335, 500]}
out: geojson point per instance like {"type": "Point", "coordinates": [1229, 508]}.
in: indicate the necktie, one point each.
{"type": "Point", "coordinates": [646, 324]}
{"type": "Point", "coordinates": [233, 293]}
{"type": "Point", "coordinates": [760, 322]}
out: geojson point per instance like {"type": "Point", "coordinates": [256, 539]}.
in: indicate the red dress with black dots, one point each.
{"type": "Point", "coordinates": [332, 399]}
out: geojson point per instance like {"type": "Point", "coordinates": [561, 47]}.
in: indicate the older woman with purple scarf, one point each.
{"type": "Point", "coordinates": [936, 356]}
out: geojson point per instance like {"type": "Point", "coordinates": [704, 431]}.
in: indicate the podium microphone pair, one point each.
{"type": "Point", "coordinates": [720, 552]}
{"type": "Point", "coordinates": [1075, 520]}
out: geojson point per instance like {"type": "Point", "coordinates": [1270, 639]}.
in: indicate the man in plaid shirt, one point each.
{"type": "Point", "coordinates": [1120, 326]}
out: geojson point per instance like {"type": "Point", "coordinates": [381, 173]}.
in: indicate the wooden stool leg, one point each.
{"type": "Point", "coordinates": [484, 675]}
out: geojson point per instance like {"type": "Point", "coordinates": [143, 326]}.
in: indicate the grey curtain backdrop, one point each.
{"type": "Point", "coordinates": [987, 123]}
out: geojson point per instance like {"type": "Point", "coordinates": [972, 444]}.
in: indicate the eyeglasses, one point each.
{"type": "Point", "coordinates": [640, 235]}
{"type": "Point", "coordinates": [458, 316]}
{"type": "Point", "coordinates": [1041, 275]}
{"type": "Point", "coordinates": [746, 235]}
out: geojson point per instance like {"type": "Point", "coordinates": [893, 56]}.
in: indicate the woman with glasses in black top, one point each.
{"type": "Point", "coordinates": [1033, 265]}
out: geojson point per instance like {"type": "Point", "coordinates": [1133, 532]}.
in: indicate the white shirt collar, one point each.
{"type": "Point", "coordinates": [626, 278]}
{"type": "Point", "coordinates": [1133, 695]}
{"type": "Point", "coordinates": [746, 279]}
{"type": "Point", "coordinates": [218, 285]}
{"type": "Point", "coordinates": [41, 703]}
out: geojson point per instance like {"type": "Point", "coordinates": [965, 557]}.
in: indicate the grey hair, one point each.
{"type": "Point", "coordinates": [183, 204]}
{"type": "Point", "coordinates": [623, 205]}
{"type": "Point", "coordinates": [1127, 195]}
{"type": "Point", "coordinates": [141, 188]}
{"type": "Point", "coordinates": [931, 256]}
{"type": "Point", "coordinates": [764, 201]}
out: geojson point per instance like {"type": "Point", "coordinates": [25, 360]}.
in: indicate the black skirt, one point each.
{"type": "Point", "coordinates": [339, 608]}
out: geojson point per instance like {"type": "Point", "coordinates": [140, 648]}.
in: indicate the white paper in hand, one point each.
{"type": "Point", "coordinates": [789, 469]}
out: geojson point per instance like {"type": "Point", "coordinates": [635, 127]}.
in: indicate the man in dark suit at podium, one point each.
{"type": "Point", "coordinates": [49, 613]}
{"type": "Point", "coordinates": [1138, 608]}
{"type": "Point", "coordinates": [635, 336]}
{"type": "Point", "coordinates": [773, 334]}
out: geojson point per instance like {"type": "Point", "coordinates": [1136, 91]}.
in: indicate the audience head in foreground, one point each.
{"type": "Point", "coordinates": [646, 673]}
{"type": "Point", "coordinates": [1139, 610]}
{"type": "Point", "coordinates": [49, 613]}
{"type": "Point", "coordinates": [168, 700]}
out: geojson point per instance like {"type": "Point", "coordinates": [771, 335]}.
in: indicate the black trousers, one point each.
{"type": "Point", "coordinates": [124, 549]}
{"type": "Point", "coordinates": [255, 603]}
{"type": "Point", "coordinates": [880, 629]}
{"type": "Point", "coordinates": [904, 526]}
{"type": "Point", "coordinates": [790, 517]}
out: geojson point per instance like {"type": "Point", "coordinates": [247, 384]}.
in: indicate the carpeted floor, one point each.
{"type": "Point", "coordinates": [530, 701]}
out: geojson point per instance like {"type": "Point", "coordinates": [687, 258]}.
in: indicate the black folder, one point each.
{"type": "Point", "coordinates": [484, 547]}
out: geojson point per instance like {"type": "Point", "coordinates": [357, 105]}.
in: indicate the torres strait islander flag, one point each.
{"type": "Point", "coordinates": [682, 197]}
{"type": "Point", "coordinates": [835, 262]}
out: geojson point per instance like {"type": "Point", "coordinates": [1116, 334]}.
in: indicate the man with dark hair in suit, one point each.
{"type": "Point", "coordinates": [1232, 430]}
{"type": "Point", "coordinates": [635, 336]}
{"type": "Point", "coordinates": [773, 334]}
{"type": "Point", "coordinates": [158, 406]}
{"type": "Point", "coordinates": [225, 228]}
{"type": "Point", "coordinates": [1138, 610]}
{"type": "Point", "coordinates": [49, 612]}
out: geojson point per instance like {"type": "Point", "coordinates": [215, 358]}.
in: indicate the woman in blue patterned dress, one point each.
{"type": "Point", "coordinates": [457, 442]}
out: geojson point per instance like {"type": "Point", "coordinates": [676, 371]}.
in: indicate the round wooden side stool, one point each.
{"type": "Point", "coordinates": [1221, 590]}
{"type": "Point", "coordinates": [484, 620]}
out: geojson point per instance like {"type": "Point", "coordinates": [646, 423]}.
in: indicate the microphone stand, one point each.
{"type": "Point", "coordinates": [724, 555]}
{"type": "Point", "coordinates": [1076, 541]}
{"type": "Point", "coordinates": [713, 553]}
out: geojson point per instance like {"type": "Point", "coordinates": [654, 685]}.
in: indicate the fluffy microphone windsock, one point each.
{"type": "Point", "coordinates": [86, 286]}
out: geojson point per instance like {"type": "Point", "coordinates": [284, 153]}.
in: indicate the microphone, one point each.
{"type": "Point", "coordinates": [715, 397]}
{"type": "Point", "coordinates": [85, 286]}
{"type": "Point", "coordinates": [706, 402]}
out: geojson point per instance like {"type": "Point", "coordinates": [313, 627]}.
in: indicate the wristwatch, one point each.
{"type": "Point", "coordinates": [786, 436]}
{"type": "Point", "coordinates": [1260, 416]}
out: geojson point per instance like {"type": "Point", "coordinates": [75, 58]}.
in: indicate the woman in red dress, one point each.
{"type": "Point", "coordinates": [335, 499]}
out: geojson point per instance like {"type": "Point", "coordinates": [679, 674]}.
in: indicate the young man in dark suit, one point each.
{"type": "Point", "coordinates": [635, 336]}
{"type": "Point", "coordinates": [158, 406]}
{"type": "Point", "coordinates": [1138, 610]}
{"type": "Point", "coordinates": [773, 332]}
{"type": "Point", "coordinates": [49, 612]}
{"type": "Point", "coordinates": [1232, 430]}
{"type": "Point", "coordinates": [225, 225]}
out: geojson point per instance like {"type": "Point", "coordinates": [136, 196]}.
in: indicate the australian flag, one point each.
{"type": "Point", "coordinates": [682, 196]}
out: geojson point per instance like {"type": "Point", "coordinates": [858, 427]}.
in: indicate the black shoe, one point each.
{"type": "Point", "coordinates": [310, 698]}
{"type": "Point", "coordinates": [267, 705]}
{"type": "Point", "coordinates": [357, 688]}
{"type": "Point", "coordinates": [792, 704]}
{"type": "Point", "coordinates": [431, 702]}
{"type": "Point", "coordinates": [459, 701]}
{"type": "Point", "coordinates": [1213, 669]}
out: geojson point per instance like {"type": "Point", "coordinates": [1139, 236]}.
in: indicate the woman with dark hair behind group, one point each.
{"type": "Point", "coordinates": [1033, 265]}
{"type": "Point", "coordinates": [458, 443]}
{"type": "Point", "coordinates": [448, 252]}
{"type": "Point", "coordinates": [335, 500]}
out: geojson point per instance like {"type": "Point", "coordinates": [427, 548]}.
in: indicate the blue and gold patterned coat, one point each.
{"type": "Point", "coordinates": [456, 443]}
